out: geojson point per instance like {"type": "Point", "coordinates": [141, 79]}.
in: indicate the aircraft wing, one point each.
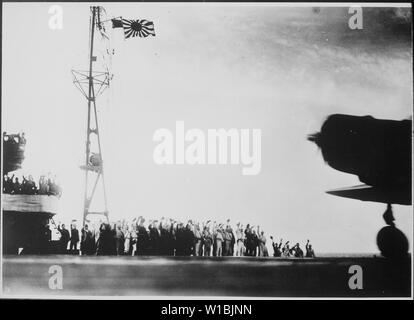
{"type": "Point", "coordinates": [376, 194]}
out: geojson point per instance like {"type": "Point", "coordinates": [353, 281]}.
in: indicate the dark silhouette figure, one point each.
{"type": "Point", "coordinates": [45, 244]}
{"type": "Point", "coordinates": [277, 248]}
{"type": "Point", "coordinates": [64, 239]}
{"type": "Point", "coordinates": [390, 240]}
{"type": "Point", "coordinates": [8, 184]}
{"type": "Point", "coordinates": [297, 251]}
{"type": "Point", "coordinates": [154, 239]}
{"type": "Point", "coordinates": [142, 239]}
{"type": "Point", "coordinates": [207, 241]}
{"type": "Point", "coordinates": [87, 246]}
{"type": "Point", "coordinates": [309, 250]}
{"type": "Point", "coordinates": [74, 239]}
{"type": "Point", "coordinates": [119, 240]}
{"type": "Point", "coordinates": [105, 246]}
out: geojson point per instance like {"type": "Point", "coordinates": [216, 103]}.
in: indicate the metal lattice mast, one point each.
{"type": "Point", "coordinates": [93, 166]}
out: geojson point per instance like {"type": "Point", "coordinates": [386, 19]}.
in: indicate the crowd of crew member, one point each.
{"type": "Point", "coordinates": [46, 186]}
{"type": "Point", "coordinates": [168, 237]}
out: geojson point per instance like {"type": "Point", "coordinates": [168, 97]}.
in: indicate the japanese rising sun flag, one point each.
{"type": "Point", "coordinates": [134, 28]}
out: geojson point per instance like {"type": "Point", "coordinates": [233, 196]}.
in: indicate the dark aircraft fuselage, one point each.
{"type": "Point", "coordinates": [377, 151]}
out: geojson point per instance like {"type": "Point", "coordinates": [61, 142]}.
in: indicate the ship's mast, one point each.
{"type": "Point", "coordinates": [93, 166]}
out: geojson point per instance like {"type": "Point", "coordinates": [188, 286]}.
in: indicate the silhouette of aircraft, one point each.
{"type": "Point", "coordinates": [379, 152]}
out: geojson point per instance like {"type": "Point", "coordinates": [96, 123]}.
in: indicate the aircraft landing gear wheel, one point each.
{"type": "Point", "coordinates": [392, 242]}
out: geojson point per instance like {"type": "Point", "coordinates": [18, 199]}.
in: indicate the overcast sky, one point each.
{"type": "Point", "coordinates": [280, 70]}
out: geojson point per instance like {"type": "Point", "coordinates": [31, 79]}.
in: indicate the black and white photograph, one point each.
{"type": "Point", "coordinates": [206, 150]}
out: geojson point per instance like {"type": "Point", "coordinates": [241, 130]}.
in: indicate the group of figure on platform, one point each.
{"type": "Point", "coordinates": [47, 185]}
{"type": "Point", "coordinates": [285, 251]}
{"type": "Point", "coordinates": [168, 237]}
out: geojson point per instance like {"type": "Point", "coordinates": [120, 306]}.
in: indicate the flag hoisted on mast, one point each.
{"type": "Point", "coordinates": [132, 28]}
{"type": "Point", "coordinates": [93, 160]}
